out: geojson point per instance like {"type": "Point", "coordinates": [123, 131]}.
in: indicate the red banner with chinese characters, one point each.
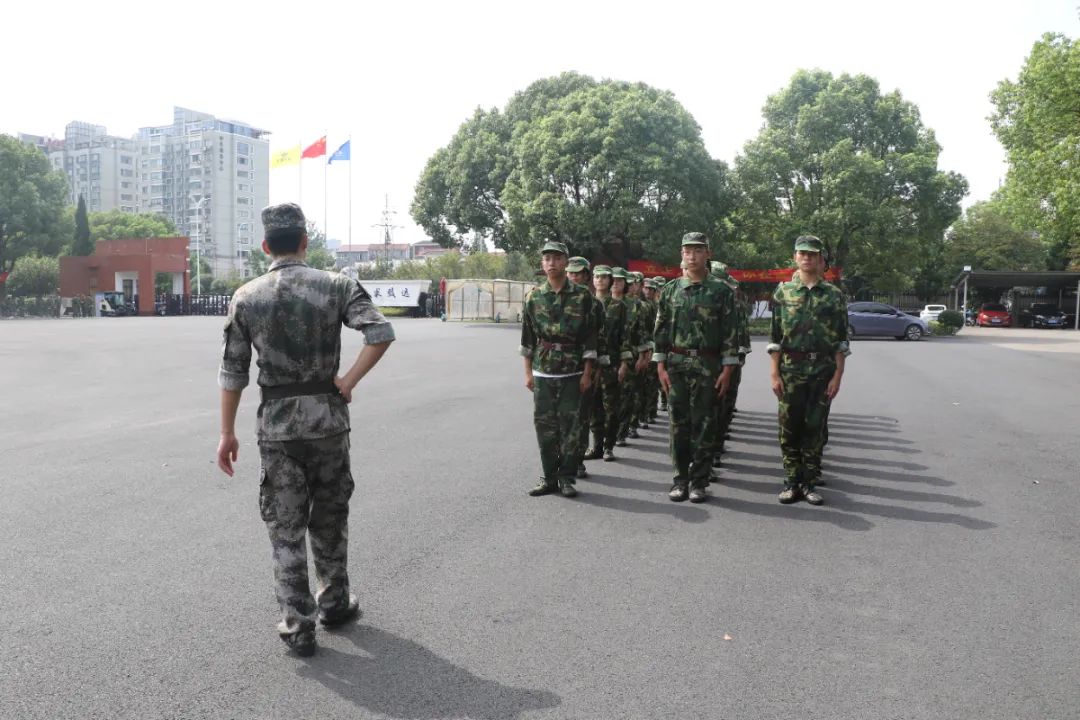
{"type": "Point", "coordinates": [3, 277]}
{"type": "Point", "coordinates": [652, 269]}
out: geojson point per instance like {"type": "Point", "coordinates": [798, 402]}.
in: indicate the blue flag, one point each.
{"type": "Point", "coordinates": [342, 153]}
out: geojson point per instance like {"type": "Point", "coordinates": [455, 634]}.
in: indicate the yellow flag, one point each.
{"type": "Point", "coordinates": [281, 158]}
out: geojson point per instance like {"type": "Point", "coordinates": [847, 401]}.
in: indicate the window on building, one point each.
{"type": "Point", "coordinates": [126, 197]}
{"type": "Point", "coordinates": [243, 174]}
{"type": "Point", "coordinates": [241, 187]}
{"type": "Point", "coordinates": [243, 149]}
{"type": "Point", "coordinates": [241, 161]}
{"type": "Point", "coordinates": [126, 160]}
{"type": "Point", "coordinates": [243, 201]}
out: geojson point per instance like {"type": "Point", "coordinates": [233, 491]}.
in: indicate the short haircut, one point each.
{"type": "Point", "coordinates": [285, 241]}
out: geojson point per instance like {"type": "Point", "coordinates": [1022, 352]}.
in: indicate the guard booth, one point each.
{"type": "Point", "coordinates": [1057, 286]}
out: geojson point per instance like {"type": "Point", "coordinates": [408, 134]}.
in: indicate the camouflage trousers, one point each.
{"type": "Point", "coordinates": [588, 400]}
{"type": "Point", "coordinates": [556, 414]}
{"type": "Point", "coordinates": [692, 404]}
{"type": "Point", "coordinates": [725, 409]}
{"type": "Point", "coordinates": [649, 394]}
{"type": "Point", "coordinates": [804, 414]}
{"type": "Point", "coordinates": [632, 388]}
{"type": "Point", "coordinates": [304, 491]}
{"type": "Point", "coordinates": [605, 417]}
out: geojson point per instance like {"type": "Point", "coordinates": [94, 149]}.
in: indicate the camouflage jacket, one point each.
{"type": "Point", "coordinates": [292, 316]}
{"type": "Point", "coordinates": [743, 333]}
{"type": "Point", "coordinates": [617, 327]}
{"type": "Point", "coordinates": [696, 316]}
{"type": "Point", "coordinates": [810, 320]}
{"type": "Point", "coordinates": [602, 357]}
{"type": "Point", "coordinates": [558, 329]}
{"type": "Point", "coordinates": [646, 324]}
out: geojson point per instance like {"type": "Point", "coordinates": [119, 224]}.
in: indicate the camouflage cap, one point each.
{"type": "Point", "coordinates": [618, 272]}
{"type": "Point", "coordinates": [577, 264]}
{"type": "Point", "coordinates": [809, 243]}
{"type": "Point", "coordinates": [718, 268]}
{"type": "Point", "coordinates": [601, 270]}
{"type": "Point", "coordinates": [695, 238]}
{"type": "Point", "coordinates": [286, 216]}
{"type": "Point", "coordinates": [554, 246]}
{"type": "Point", "coordinates": [659, 280]}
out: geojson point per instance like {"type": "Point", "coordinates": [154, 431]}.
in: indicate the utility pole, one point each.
{"type": "Point", "coordinates": [387, 227]}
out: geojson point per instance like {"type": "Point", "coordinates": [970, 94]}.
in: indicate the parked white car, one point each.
{"type": "Point", "coordinates": [930, 312]}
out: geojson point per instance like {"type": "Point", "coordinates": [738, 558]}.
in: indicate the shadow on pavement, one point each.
{"type": "Point", "coordinates": [399, 678]}
{"type": "Point", "coordinates": [772, 433]}
{"type": "Point", "coordinates": [624, 483]}
{"type": "Point", "coordinates": [660, 506]}
{"type": "Point", "coordinates": [645, 464]}
{"type": "Point", "coordinates": [844, 520]}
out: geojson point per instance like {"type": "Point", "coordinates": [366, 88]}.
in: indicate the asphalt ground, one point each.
{"type": "Point", "coordinates": [940, 579]}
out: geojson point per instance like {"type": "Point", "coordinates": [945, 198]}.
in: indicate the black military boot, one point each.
{"type": "Point", "coordinates": [633, 434]}
{"type": "Point", "coordinates": [301, 643]}
{"type": "Point", "coordinates": [581, 471]}
{"type": "Point", "coordinates": [340, 616]}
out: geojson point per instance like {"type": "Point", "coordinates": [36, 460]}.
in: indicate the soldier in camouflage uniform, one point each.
{"type": "Point", "coordinates": [558, 344]}
{"type": "Point", "coordinates": [696, 353]}
{"type": "Point", "coordinates": [292, 316]}
{"type": "Point", "coordinates": [631, 385]}
{"type": "Point", "coordinates": [808, 345]}
{"type": "Point", "coordinates": [726, 408]}
{"type": "Point", "coordinates": [610, 285]}
{"type": "Point", "coordinates": [578, 272]}
{"type": "Point", "coordinates": [651, 382]}
{"type": "Point", "coordinates": [660, 284]}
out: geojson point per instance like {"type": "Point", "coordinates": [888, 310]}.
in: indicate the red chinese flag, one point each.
{"type": "Point", "coordinates": [315, 149]}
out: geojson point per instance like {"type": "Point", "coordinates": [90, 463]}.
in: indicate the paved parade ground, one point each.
{"type": "Point", "coordinates": [941, 579]}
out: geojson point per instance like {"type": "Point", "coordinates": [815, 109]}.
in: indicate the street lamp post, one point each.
{"type": "Point", "coordinates": [198, 237]}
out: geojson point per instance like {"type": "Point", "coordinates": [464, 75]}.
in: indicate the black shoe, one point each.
{"type": "Point", "coordinates": [301, 644]}
{"type": "Point", "coordinates": [542, 488]}
{"type": "Point", "coordinates": [677, 493]}
{"type": "Point", "coordinates": [645, 426]}
{"type": "Point", "coordinates": [568, 490]}
{"type": "Point", "coordinates": [819, 483]}
{"type": "Point", "coordinates": [609, 456]}
{"type": "Point", "coordinates": [581, 471]}
{"type": "Point", "coordinates": [343, 615]}
{"type": "Point", "coordinates": [812, 496]}
{"type": "Point", "coordinates": [620, 443]}
{"type": "Point", "coordinates": [717, 461]}
{"type": "Point", "coordinates": [713, 477]}
{"type": "Point", "coordinates": [788, 495]}
{"type": "Point", "coordinates": [633, 434]}
{"type": "Point", "coordinates": [594, 453]}
{"type": "Point", "coordinates": [699, 495]}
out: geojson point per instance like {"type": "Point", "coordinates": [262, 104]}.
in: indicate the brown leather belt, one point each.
{"type": "Point", "coordinates": [319, 387]}
{"type": "Point", "coordinates": [799, 355]}
{"type": "Point", "coordinates": [561, 347]}
{"type": "Point", "coordinates": [695, 352]}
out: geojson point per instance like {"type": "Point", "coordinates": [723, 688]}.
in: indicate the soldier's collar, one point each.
{"type": "Point", "coordinates": [285, 262]}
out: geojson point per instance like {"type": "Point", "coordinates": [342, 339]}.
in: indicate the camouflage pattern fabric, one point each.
{"type": "Point", "coordinates": [812, 320]}
{"type": "Point", "coordinates": [304, 492]}
{"type": "Point", "coordinates": [727, 404]}
{"type": "Point", "coordinates": [695, 316]}
{"type": "Point", "coordinates": [562, 318]}
{"type": "Point", "coordinates": [292, 316]}
{"type": "Point", "coordinates": [605, 416]}
{"type": "Point", "coordinates": [588, 399]}
{"type": "Point", "coordinates": [650, 381]}
{"type": "Point", "coordinates": [556, 417]}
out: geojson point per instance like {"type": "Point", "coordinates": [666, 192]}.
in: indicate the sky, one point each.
{"type": "Point", "coordinates": [400, 78]}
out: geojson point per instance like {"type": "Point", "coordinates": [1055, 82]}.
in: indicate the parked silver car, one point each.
{"type": "Point", "coordinates": [876, 319]}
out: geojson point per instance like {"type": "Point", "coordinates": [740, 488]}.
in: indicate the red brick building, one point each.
{"type": "Point", "coordinates": [130, 267]}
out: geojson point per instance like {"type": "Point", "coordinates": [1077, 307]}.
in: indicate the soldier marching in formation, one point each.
{"type": "Point", "coordinates": [683, 343]}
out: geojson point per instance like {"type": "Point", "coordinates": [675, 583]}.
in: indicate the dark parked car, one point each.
{"type": "Point", "coordinates": [1045, 315]}
{"type": "Point", "coordinates": [871, 318]}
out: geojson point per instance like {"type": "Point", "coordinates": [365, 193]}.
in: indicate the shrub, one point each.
{"type": "Point", "coordinates": [951, 318]}
{"type": "Point", "coordinates": [941, 329]}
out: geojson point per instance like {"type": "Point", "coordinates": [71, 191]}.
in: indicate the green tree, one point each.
{"type": "Point", "coordinates": [119, 225]}
{"type": "Point", "coordinates": [258, 262]}
{"type": "Point", "coordinates": [607, 166]}
{"type": "Point", "coordinates": [82, 245]}
{"type": "Point", "coordinates": [987, 239]}
{"type": "Point", "coordinates": [839, 159]}
{"type": "Point", "coordinates": [1037, 120]}
{"type": "Point", "coordinates": [204, 277]}
{"type": "Point", "coordinates": [317, 254]}
{"type": "Point", "coordinates": [226, 285]}
{"type": "Point", "coordinates": [32, 198]}
{"type": "Point", "coordinates": [35, 276]}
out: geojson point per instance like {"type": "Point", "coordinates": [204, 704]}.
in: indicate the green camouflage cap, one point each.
{"type": "Point", "coordinates": [554, 246]}
{"type": "Point", "coordinates": [660, 281]}
{"type": "Point", "coordinates": [577, 264]}
{"type": "Point", "coordinates": [632, 277]}
{"type": "Point", "coordinates": [695, 238]}
{"type": "Point", "coordinates": [618, 272]}
{"type": "Point", "coordinates": [286, 216]}
{"type": "Point", "coordinates": [601, 270]}
{"type": "Point", "coordinates": [809, 243]}
{"type": "Point", "coordinates": [718, 268]}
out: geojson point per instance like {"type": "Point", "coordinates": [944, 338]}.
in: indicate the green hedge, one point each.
{"type": "Point", "coordinates": [951, 318]}
{"type": "Point", "coordinates": [941, 329]}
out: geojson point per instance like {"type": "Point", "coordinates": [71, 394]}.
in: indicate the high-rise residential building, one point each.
{"type": "Point", "coordinates": [100, 167]}
{"type": "Point", "coordinates": [210, 176]}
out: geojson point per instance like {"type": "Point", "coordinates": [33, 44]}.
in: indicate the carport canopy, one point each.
{"type": "Point", "coordinates": [1049, 279]}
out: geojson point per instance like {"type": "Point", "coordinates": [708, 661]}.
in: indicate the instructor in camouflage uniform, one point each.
{"type": "Point", "coordinates": [558, 343]}
{"type": "Point", "coordinates": [696, 352]}
{"type": "Point", "coordinates": [578, 272]}
{"type": "Point", "coordinates": [292, 316]}
{"type": "Point", "coordinates": [808, 345]}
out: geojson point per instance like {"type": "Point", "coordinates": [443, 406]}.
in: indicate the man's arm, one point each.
{"type": "Point", "coordinates": [368, 357]}
{"type": "Point", "coordinates": [232, 378]}
{"type": "Point", "coordinates": [228, 446]}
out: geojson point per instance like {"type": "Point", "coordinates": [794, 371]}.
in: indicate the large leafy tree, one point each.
{"type": "Point", "coordinates": [119, 225]}
{"type": "Point", "coordinates": [1037, 120]}
{"type": "Point", "coordinates": [35, 276]}
{"type": "Point", "coordinates": [987, 239]}
{"type": "Point", "coordinates": [605, 166]}
{"type": "Point", "coordinates": [839, 159]}
{"type": "Point", "coordinates": [32, 197]}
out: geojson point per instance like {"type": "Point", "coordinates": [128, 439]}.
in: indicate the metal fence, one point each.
{"type": "Point", "coordinates": [190, 304]}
